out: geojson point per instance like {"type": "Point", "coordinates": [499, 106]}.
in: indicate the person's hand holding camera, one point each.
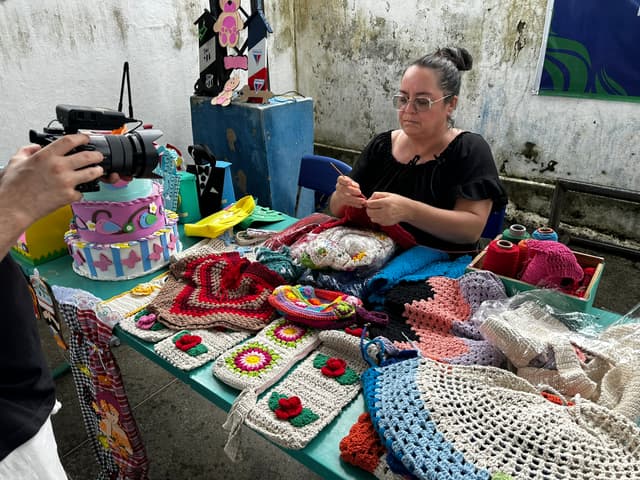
{"type": "Point", "coordinates": [38, 180]}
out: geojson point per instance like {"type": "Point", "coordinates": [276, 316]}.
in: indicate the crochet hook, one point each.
{"type": "Point", "coordinates": [336, 168]}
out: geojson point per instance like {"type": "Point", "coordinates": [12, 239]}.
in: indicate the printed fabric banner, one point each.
{"type": "Point", "coordinates": [593, 50]}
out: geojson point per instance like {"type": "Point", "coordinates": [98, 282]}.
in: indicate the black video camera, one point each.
{"type": "Point", "coordinates": [132, 154]}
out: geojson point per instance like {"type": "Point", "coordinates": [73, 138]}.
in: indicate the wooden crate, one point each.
{"type": "Point", "coordinates": [578, 304]}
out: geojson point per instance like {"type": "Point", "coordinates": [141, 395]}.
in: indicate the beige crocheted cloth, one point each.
{"type": "Point", "coordinates": [499, 421]}
{"type": "Point", "coordinates": [529, 337]}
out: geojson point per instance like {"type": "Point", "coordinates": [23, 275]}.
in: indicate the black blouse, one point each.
{"type": "Point", "coordinates": [465, 169]}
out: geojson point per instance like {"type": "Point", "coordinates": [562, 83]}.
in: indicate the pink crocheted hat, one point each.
{"type": "Point", "coordinates": [552, 265]}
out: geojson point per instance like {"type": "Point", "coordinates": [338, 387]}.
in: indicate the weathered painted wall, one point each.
{"type": "Point", "coordinates": [346, 54]}
{"type": "Point", "coordinates": [351, 53]}
{"type": "Point", "coordinates": [72, 51]}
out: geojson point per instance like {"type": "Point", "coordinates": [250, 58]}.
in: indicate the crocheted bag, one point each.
{"type": "Point", "coordinates": [296, 409]}
{"type": "Point", "coordinates": [471, 422]}
{"type": "Point", "coordinates": [344, 249]}
{"type": "Point", "coordinates": [322, 309]}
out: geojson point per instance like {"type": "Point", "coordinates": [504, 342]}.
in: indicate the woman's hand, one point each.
{"type": "Point", "coordinates": [348, 192]}
{"type": "Point", "coordinates": [386, 208]}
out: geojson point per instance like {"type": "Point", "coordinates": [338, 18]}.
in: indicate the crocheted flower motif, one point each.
{"type": "Point", "coordinates": [287, 334]}
{"type": "Point", "coordinates": [190, 344]}
{"type": "Point", "coordinates": [291, 409]}
{"type": "Point", "coordinates": [337, 368]}
{"type": "Point", "coordinates": [355, 331]}
{"type": "Point", "coordinates": [252, 359]}
{"type": "Point", "coordinates": [334, 367]}
{"type": "Point", "coordinates": [288, 408]}
{"type": "Point", "coordinates": [186, 342]}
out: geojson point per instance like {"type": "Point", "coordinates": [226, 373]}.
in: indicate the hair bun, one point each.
{"type": "Point", "coordinates": [460, 57]}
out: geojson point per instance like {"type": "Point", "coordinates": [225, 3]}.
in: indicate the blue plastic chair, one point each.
{"type": "Point", "coordinates": [317, 174]}
{"type": "Point", "coordinates": [494, 225]}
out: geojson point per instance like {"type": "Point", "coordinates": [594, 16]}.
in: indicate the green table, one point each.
{"type": "Point", "coordinates": [322, 455]}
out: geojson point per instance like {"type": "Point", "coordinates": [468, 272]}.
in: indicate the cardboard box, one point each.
{"type": "Point", "coordinates": [44, 240]}
{"type": "Point", "coordinates": [577, 304]}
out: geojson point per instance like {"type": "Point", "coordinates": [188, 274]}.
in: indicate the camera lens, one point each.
{"type": "Point", "coordinates": [132, 154]}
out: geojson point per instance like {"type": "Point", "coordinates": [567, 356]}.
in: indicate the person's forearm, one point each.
{"type": "Point", "coordinates": [14, 225]}
{"type": "Point", "coordinates": [455, 226]}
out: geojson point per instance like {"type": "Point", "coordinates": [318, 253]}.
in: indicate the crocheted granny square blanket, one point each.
{"type": "Point", "coordinates": [189, 349]}
{"type": "Point", "coordinates": [439, 324]}
{"type": "Point", "coordinates": [218, 290]}
{"type": "Point", "coordinates": [454, 422]}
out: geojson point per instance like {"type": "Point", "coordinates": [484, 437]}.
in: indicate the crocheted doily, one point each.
{"type": "Point", "coordinates": [471, 422]}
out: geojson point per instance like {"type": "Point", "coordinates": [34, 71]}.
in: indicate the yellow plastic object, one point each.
{"type": "Point", "coordinates": [216, 224]}
{"type": "Point", "coordinates": [44, 239]}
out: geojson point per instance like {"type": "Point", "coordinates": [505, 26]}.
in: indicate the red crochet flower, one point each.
{"type": "Point", "coordinates": [187, 342]}
{"type": "Point", "coordinates": [335, 367]}
{"type": "Point", "coordinates": [355, 331]}
{"type": "Point", "coordinates": [288, 408]}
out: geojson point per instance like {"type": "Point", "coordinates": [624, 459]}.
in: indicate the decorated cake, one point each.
{"type": "Point", "coordinates": [122, 231]}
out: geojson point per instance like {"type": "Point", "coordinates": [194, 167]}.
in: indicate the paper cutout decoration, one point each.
{"type": "Point", "coordinates": [224, 98]}
{"type": "Point", "coordinates": [229, 23]}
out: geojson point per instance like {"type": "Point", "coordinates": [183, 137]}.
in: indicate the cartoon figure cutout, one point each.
{"type": "Point", "coordinates": [111, 432]}
{"type": "Point", "coordinates": [229, 23]}
{"type": "Point", "coordinates": [224, 98]}
{"type": "Point", "coordinates": [47, 307]}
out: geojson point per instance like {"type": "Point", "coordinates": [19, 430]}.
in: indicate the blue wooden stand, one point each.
{"type": "Point", "coordinates": [264, 144]}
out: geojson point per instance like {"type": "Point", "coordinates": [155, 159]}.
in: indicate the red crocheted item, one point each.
{"type": "Point", "coordinates": [289, 235]}
{"type": "Point", "coordinates": [362, 446]}
{"type": "Point", "coordinates": [358, 217]}
{"type": "Point", "coordinates": [218, 290]}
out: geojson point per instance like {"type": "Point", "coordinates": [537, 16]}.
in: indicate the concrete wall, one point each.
{"type": "Point", "coordinates": [351, 54]}
{"type": "Point", "coordinates": [346, 54]}
{"type": "Point", "coordinates": [73, 51]}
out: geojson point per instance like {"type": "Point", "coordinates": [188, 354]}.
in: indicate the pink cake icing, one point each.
{"type": "Point", "coordinates": [122, 232]}
{"type": "Point", "coordinates": [108, 222]}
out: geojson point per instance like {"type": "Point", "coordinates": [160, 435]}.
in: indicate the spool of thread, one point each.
{"type": "Point", "coordinates": [501, 258]}
{"type": "Point", "coordinates": [515, 233]}
{"type": "Point", "coordinates": [545, 233]}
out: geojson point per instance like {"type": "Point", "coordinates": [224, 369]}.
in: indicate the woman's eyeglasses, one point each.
{"type": "Point", "coordinates": [421, 104]}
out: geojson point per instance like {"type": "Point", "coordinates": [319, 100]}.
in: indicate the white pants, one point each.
{"type": "Point", "coordinates": [36, 459]}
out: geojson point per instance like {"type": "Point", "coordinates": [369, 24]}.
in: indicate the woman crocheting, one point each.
{"type": "Point", "coordinates": [439, 182]}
